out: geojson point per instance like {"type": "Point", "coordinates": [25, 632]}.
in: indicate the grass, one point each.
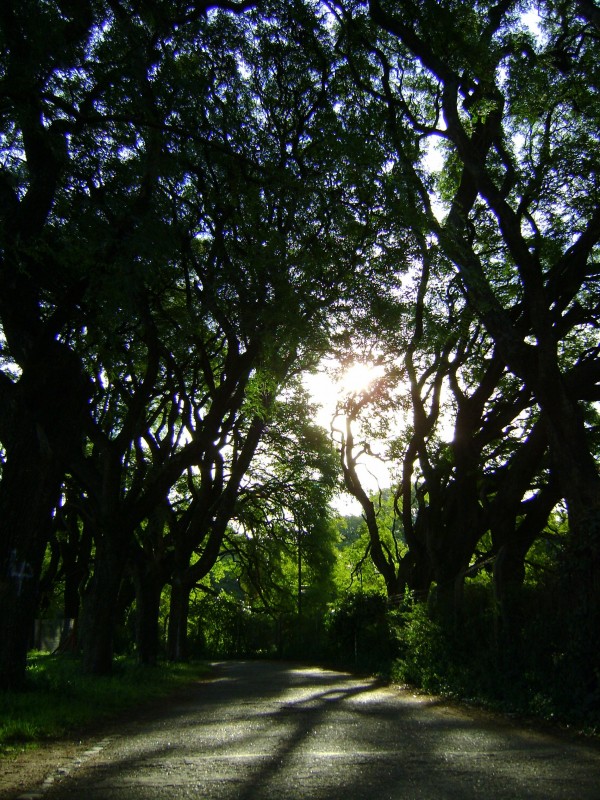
{"type": "Point", "coordinates": [59, 699]}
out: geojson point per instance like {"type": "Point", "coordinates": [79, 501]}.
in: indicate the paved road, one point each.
{"type": "Point", "coordinates": [268, 731]}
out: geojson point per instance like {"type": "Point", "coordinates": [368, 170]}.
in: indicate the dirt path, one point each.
{"type": "Point", "coordinates": [273, 731]}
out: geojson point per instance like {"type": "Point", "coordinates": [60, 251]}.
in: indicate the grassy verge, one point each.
{"type": "Point", "coordinates": [59, 699]}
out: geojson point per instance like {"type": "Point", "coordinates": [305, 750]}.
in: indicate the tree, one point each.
{"type": "Point", "coordinates": [150, 151]}
{"type": "Point", "coordinates": [513, 115]}
{"type": "Point", "coordinates": [389, 557]}
{"type": "Point", "coordinates": [43, 391]}
{"type": "Point", "coordinates": [283, 535]}
{"type": "Point", "coordinates": [281, 499]}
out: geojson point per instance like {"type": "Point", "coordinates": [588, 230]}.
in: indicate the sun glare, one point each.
{"type": "Point", "coordinates": [358, 377]}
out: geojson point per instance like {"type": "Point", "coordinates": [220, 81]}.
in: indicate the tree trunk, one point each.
{"type": "Point", "coordinates": [452, 542]}
{"type": "Point", "coordinates": [100, 606]}
{"type": "Point", "coordinates": [76, 552]}
{"type": "Point", "coordinates": [177, 645]}
{"type": "Point", "coordinates": [41, 421]}
{"type": "Point", "coordinates": [29, 491]}
{"type": "Point", "coordinates": [149, 582]}
{"type": "Point", "coordinates": [577, 474]}
{"type": "Point", "coordinates": [512, 542]}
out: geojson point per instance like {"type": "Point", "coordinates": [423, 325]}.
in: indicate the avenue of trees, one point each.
{"type": "Point", "coordinates": [200, 203]}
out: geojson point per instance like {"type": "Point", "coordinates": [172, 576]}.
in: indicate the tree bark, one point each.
{"type": "Point", "coordinates": [177, 644]}
{"type": "Point", "coordinates": [149, 581]}
{"type": "Point", "coordinates": [28, 492]}
{"type": "Point", "coordinates": [40, 428]}
{"type": "Point", "coordinates": [100, 605]}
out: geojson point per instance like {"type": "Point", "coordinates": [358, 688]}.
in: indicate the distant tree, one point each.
{"type": "Point", "coordinates": [279, 547]}
{"type": "Point", "coordinates": [355, 570]}
{"type": "Point", "coordinates": [385, 540]}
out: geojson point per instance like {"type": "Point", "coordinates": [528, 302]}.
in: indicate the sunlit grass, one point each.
{"type": "Point", "coordinates": [59, 699]}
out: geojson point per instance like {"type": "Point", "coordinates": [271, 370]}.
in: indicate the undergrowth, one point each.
{"type": "Point", "coordinates": [541, 670]}
{"type": "Point", "coordinates": [529, 675]}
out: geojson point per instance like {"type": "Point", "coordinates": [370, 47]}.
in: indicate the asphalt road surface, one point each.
{"type": "Point", "coordinates": [280, 732]}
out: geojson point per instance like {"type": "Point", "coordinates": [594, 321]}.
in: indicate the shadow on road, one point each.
{"type": "Point", "coordinates": [262, 730]}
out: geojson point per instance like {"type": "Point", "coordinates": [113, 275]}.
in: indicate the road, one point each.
{"type": "Point", "coordinates": [260, 731]}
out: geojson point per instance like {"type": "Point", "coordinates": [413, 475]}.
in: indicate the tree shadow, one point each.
{"type": "Point", "coordinates": [262, 730]}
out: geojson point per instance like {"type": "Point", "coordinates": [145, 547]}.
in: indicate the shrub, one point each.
{"type": "Point", "coordinates": [360, 633]}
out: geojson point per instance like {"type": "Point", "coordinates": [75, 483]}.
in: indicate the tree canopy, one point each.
{"type": "Point", "coordinates": [199, 202]}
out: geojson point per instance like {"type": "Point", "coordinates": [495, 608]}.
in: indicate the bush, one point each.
{"type": "Point", "coordinates": [360, 633]}
{"type": "Point", "coordinates": [424, 651]}
{"type": "Point", "coordinates": [533, 669]}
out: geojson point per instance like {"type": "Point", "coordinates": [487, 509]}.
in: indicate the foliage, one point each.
{"type": "Point", "coordinates": [354, 570]}
{"type": "Point", "coordinates": [529, 673]}
{"type": "Point", "coordinates": [359, 632]}
{"type": "Point", "coordinates": [199, 204]}
{"type": "Point", "coordinates": [224, 626]}
{"type": "Point", "coordinates": [424, 652]}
